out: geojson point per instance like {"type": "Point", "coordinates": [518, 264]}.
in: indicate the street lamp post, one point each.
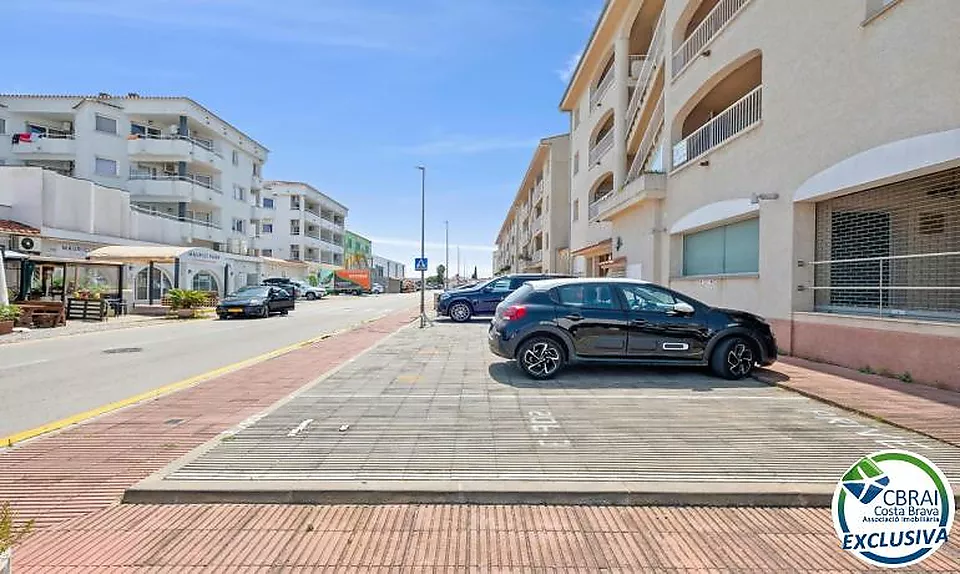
{"type": "Point", "coordinates": [423, 214]}
{"type": "Point", "coordinates": [446, 247]}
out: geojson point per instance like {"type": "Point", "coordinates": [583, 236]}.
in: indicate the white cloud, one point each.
{"type": "Point", "coordinates": [463, 145]}
{"type": "Point", "coordinates": [570, 67]}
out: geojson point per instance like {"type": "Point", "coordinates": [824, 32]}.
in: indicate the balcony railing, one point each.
{"type": "Point", "coordinates": [601, 148]}
{"type": "Point", "coordinates": [646, 144]}
{"type": "Point", "coordinates": [636, 65]}
{"type": "Point", "coordinates": [600, 89]}
{"type": "Point", "coordinates": [650, 65]}
{"type": "Point", "coordinates": [205, 144]}
{"type": "Point", "coordinates": [313, 234]}
{"type": "Point", "coordinates": [537, 256]}
{"type": "Point", "coordinates": [706, 31]}
{"type": "Point", "coordinates": [594, 209]}
{"type": "Point", "coordinates": [200, 180]}
{"type": "Point", "coordinates": [160, 214]}
{"type": "Point", "coordinates": [746, 112]}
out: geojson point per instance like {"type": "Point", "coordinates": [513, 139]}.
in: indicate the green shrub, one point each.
{"type": "Point", "coordinates": [186, 299]}
{"type": "Point", "coordinates": [10, 533]}
{"type": "Point", "coordinates": [9, 312]}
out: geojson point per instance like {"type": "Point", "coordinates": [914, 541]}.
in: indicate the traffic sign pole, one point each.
{"type": "Point", "coordinates": [423, 270]}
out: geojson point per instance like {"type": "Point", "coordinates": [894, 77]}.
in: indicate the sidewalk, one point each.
{"type": "Point", "coordinates": [81, 327]}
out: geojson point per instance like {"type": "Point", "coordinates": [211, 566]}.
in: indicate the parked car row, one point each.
{"type": "Point", "coordinates": [544, 323]}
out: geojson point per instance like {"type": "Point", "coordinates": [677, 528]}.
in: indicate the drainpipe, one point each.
{"type": "Point", "coordinates": [176, 273]}
{"type": "Point", "coordinates": [150, 284]}
{"type": "Point", "coordinates": [226, 279]}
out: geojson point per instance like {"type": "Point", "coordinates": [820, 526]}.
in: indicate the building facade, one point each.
{"type": "Point", "coordinates": [357, 251]}
{"type": "Point", "coordinates": [297, 222]}
{"type": "Point", "coordinates": [171, 154]}
{"type": "Point", "coordinates": [535, 234]}
{"type": "Point", "coordinates": [802, 164]}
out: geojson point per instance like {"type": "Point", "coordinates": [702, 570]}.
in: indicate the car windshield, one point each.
{"type": "Point", "coordinates": [252, 291]}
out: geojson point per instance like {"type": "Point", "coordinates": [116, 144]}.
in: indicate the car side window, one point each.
{"type": "Point", "coordinates": [587, 296]}
{"type": "Point", "coordinates": [644, 298]}
{"type": "Point", "coordinates": [501, 286]}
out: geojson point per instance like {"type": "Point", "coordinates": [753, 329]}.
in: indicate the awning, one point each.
{"type": "Point", "coordinates": [614, 263]}
{"type": "Point", "coordinates": [602, 248]}
{"type": "Point", "coordinates": [139, 253]}
{"type": "Point", "coordinates": [284, 262]}
{"type": "Point", "coordinates": [8, 254]}
{"type": "Point", "coordinates": [17, 228]}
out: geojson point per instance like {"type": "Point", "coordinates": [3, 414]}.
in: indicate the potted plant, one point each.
{"type": "Point", "coordinates": [10, 536]}
{"type": "Point", "coordinates": [185, 302]}
{"type": "Point", "coordinates": [8, 316]}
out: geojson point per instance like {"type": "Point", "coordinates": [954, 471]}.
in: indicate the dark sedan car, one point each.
{"type": "Point", "coordinates": [482, 299]}
{"type": "Point", "coordinates": [547, 324]}
{"type": "Point", "coordinates": [256, 302]}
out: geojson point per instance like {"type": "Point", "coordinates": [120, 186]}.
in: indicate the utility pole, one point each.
{"type": "Point", "coordinates": [423, 215]}
{"type": "Point", "coordinates": [458, 262]}
{"type": "Point", "coordinates": [446, 247]}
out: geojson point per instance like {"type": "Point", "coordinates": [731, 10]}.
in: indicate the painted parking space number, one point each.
{"type": "Point", "coordinates": [545, 425]}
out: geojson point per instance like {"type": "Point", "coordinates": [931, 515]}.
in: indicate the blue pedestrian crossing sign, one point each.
{"type": "Point", "coordinates": [420, 264]}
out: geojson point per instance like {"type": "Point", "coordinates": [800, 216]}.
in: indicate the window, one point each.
{"type": "Point", "coordinates": [576, 163]}
{"type": "Point", "coordinates": [588, 296]}
{"type": "Point", "coordinates": [106, 125]}
{"type": "Point", "coordinates": [106, 167]}
{"type": "Point", "coordinates": [3, 126]}
{"type": "Point", "coordinates": [266, 228]}
{"type": "Point", "coordinates": [256, 169]}
{"type": "Point", "coordinates": [646, 298]}
{"type": "Point", "coordinates": [500, 286]}
{"type": "Point", "coordinates": [267, 252]}
{"type": "Point", "coordinates": [204, 281]}
{"type": "Point", "coordinates": [267, 203]}
{"type": "Point", "coordinates": [294, 252]}
{"type": "Point", "coordinates": [145, 131]}
{"type": "Point", "coordinates": [295, 202]}
{"type": "Point", "coordinates": [294, 227]}
{"type": "Point", "coordinates": [237, 225]}
{"type": "Point", "coordinates": [576, 209]}
{"type": "Point", "coordinates": [239, 193]}
{"type": "Point", "coordinates": [728, 249]}
{"type": "Point", "coordinates": [236, 157]}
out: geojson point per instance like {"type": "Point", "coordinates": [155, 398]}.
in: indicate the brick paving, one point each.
{"type": "Point", "coordinates": [923, 409]}
{"type": "Point", "coordinates": [87, 467]}
{"type": "Point", "coordinates": [459, 538]}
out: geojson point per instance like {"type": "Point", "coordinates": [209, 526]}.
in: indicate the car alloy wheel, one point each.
{"type": "Point", "coordinates": [311, 296]}
{"type": "Point", "coordinates": [540, 358]}
{"type": "Point", "coordinates": [460, 312]}
{"type": "Point", "coordinates": [733, 358]}
{"type": "Point", "coordinates": [740, 359]}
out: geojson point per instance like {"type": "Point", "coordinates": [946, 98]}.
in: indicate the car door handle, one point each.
{"type": "Point", "coordinates": [574, 317]}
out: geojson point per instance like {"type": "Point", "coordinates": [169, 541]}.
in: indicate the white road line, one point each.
{"type": "Point", "coordinates": [27, 364]}
{"type": "Point", "coordinates": [300, 427]}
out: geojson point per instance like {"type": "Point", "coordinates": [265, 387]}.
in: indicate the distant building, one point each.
{"type": "Point", "coordinates": [297, 222]}
{"type": "Point", "coordinates": [388, 273]}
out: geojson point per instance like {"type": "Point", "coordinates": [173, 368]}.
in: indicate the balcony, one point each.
{"type": "Point", "coordinates": [648, 72]}
{"type": "Point", "coordinates": [705, 32]}
{"type": "Point", "coordinates": [597, 92]}
{"type": "Point", "coordinates": [649, 157]}
{"type": "Point", "coordinates": [179, 188]}
{"type": "Point", "coordinates": [601, 148]}
{"type": "Point", "coordinates": [47, 146]}
{"type": "Point", "coordinates": [172, 149]}
{"type": "Point", "coordinates": [313, 233]}
{"type": "Point", "coordinates": [736, 119]}
{"type": "Point", "coordinates": [536, 257]}
{"type": "Point", "coordinates": [646, 186]}
{"type": "Point", "coordinates": [536, 227]}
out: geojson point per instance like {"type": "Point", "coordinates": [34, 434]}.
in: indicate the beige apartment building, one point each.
{"type": "Point", "coordinates": [535, 235]}
{"type": "Point", "coordinates": [796, 159]}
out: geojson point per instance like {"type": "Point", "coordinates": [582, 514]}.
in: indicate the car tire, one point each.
{"type": "Point", "coordinates": [311, 297]}
{"type": "Point", "coordinates": [733, 358]}
{"type": "Point", "coordinates": [460, 312]}
{"type": "Point", "coordinates": [284, 312]}
{"type": "Point", "coordinates": [223, 316]}
{"type": "Point", "coordinates": [540, 358]}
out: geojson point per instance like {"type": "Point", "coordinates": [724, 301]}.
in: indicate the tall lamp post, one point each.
{"type": "Point", "coordinates": [423, 214]}
{"type": "Point", "coordinates": [446, 247]}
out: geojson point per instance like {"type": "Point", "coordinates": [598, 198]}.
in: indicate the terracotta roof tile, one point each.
{"type": "Point", "coordinates": [17, 228]}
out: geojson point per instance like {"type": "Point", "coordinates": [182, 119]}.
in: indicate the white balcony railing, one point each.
{"type": "Point", "coordinates": [654, 127]}
{"type": "Point", "coordinates": [203, 143]}
{"type": "Point", "coordinates": [600, 89]}
{"type": "Point", "coordinates": [202, 181]}
{"type": "Point", "coordinates": [594, 208]}
{"type": "Point", "coordinates": [636, 65]}
{"type": "Point", "coordinates": [601, 148]}
{"type": "Point", "coordinates": [746, 112]}
{"type": "Point", "coordinates": [50, 143]}
{"type": "Point", "coordinates": [706, 31]}
{"type": "Point", "coordinates": [193, 221]}
{"type": "Point", "coordinates": [537, 256]}
{"type": "Point", "coordinates": [650, 65]}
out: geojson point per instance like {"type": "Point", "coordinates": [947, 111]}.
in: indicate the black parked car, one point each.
{"type": "Point", "coordinates": [284, 283]}
{"type": "Point", "coordinates": [256, 302]}
{"type": "Point", "coordinates": [547, 324]}
{"type": "Point", "coordinates": [482, 298]}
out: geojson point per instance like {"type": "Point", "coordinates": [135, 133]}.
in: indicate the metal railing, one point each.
{"type": "Point", "coordinates": [162, 215]}
{"type": "Point", "coordinates": [706, 31]}
{"type": "Point", "coordinates": [537, 256]}
{"type": "Point", "coordinates": [594, 210]}
{"type": "Point", "coordinates": [650, 65]}
{"type": "Point", "coordinates": [312, 234]}
{"type": "Point", "coordinates": [636, 65]}
{"type": "Point", "coordinates": [49, 136]}
{"type": "Point", "coordinates": [597, 92]}
{"type": "Point", "coordinates": [202, 181]}
{"type": "Point", "coordinates": [205, 144]}
{"type": "Point", "coordinates": [654, 128]}
{"type": "Point", "coordinates": [744, 113]}
{"type": "Point", "coordinates": [601, 148]}
{"type": "Point", "coordinates": [920, 285]}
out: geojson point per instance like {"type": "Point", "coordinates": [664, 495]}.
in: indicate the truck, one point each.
{"type": "Point", "coordinates": [349, 281]}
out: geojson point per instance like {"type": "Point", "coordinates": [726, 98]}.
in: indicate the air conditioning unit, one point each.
{"type": "Point", "coordinates": [67, 126]}
{"type": "Point", "coordinates": [27, 244]}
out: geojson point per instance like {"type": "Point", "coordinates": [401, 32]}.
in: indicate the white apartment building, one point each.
{"type": "Point", "coordinates": [174, 156]}
{"type": "Point", "coordinates": [535, 235]}
{"type": "Point", "coordinates": [297, 222]}
{"type": "Point", "coordinates": [802, 162]}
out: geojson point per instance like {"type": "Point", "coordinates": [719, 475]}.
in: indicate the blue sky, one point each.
{"type": "Point", "coordinates": [348, 95]}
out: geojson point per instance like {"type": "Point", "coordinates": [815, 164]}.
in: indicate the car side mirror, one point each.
{"type": "Point", "coordinates": [488, 289]}
{"type": "Point", "coordinates": [681, 308]}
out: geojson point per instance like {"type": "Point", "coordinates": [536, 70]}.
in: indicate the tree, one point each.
{"type": "Point", "coordinates": [441, 273]}
{"type": "Point", "coordinates": [474, 276]}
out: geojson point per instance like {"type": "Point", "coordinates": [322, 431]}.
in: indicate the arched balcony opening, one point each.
{"type": "Point", "coordinates": [699, 23]}
{"type": "Point", "coordinates": [601, 140]}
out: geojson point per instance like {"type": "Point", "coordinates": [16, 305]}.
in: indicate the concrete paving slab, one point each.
{"type": "Point", "coordinates": [431, 416]}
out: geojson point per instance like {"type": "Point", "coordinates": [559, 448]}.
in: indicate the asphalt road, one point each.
{"type": "Point", "coordinates": [46, 380]}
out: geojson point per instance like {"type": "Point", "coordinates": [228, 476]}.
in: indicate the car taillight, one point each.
{"type": "Point", "coordinates": [514, 312]}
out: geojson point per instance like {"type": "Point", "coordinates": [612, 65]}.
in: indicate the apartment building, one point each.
{"type": "Point", "coordinates": [358, 251]}
{"type": "Point", "coordinates": [535, 234]}
{"type": "Point", "coordinates": [800, 163]}
{"type": "Point", "coordinates": [297, 222]}
{"type": "Point", "coordinates": [174, 156]}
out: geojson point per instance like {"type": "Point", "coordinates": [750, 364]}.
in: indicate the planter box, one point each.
{"type": "Point", "coordinates": [6, 327]}
{"type": "Point", "coordinates": [186, 313]}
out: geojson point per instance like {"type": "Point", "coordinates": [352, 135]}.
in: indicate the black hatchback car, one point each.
{"type": "Point", "coordinates": [256, 302]}
{"type": "Point", "coordinates": [547, 324]}
{"type": "Point", "coordinates": [483, 298]}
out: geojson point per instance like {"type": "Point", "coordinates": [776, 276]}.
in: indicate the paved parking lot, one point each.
{"type": "Point", "coordinates": [430, 415]}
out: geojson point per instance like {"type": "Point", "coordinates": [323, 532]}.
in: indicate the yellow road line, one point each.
{"type": "Point", "coordinates": [167, 389]}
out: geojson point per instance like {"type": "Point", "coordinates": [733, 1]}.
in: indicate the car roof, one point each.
{"type": "Point", "coordinates": [546, 284]}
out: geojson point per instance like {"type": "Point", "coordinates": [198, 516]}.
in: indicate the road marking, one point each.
{"type": "Point", "coordinates": [13, 439]}
{"type": "Point", "coordinates": [27, 364]}
{"type": "Point", "coordinates": [300, 427]}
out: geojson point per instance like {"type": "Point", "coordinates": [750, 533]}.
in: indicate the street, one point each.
{"type": "Point", "coordinates": [48, 380]}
